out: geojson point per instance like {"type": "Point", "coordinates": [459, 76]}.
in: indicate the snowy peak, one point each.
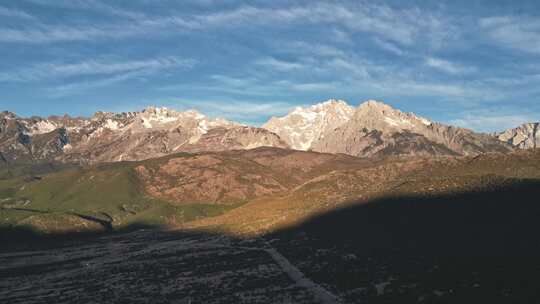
{"type": "Point", "coordinates": [41, 126]}
{"type": "Point", "coordinates": [374, 104]}
{"type": "Point", "coordinates": [106, 136]}
{"type": "Point", "coordinates": [377, 129]}
{"type": "Point", "coordinates": [376, 115]}
{"type": "Point", "coordinates": [303, 128]}
{"type": "Point", "coordinates": [526, 136]}
{"type": "Point", "coordinates": [330, 105]}
{"type": "Point", "coordinates": [305, 125]}
{"type": "Point", "coordinates": [157, 119]}
{"type": "Point", "coordinates": [7, 115]}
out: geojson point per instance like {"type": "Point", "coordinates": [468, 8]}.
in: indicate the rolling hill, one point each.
{"type": "Point", "coordinates": [242, 191]}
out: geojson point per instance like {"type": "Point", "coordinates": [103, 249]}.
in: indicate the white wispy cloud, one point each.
{"type": "Point", "coordinates": [82, 86]}
{"type": "Point", "coordinates": [89, 5]}
{"type": "Point", "coordinates": [492, 122]}
{"type": "Point", "coordinates": [46, 33]}
{"type": "Point", "coordinates": [92, 67]}
{"type": "Point", "coordinates": [521, 33]}
{"type": "Point", "coordinates": [100, 73]}
{"type": "Point", "coordinates": [341, 36]}
{"type": "Point", "coordinates": [304, 48]}
{"type": "Point", "coordinates": [315, 86]}
{"type": "Point", "coordinates": [14, 13]}
{"type": "Point", "coordinates": [248, 111]}
{"type": "Point", "coordinates": [279, 65]}
{"type": "Point", "coordinates": [447, 66]}
{"type": "Point", "coordinates": [399, 26]}
{"type": "Point", "coordinates": [389, 47]}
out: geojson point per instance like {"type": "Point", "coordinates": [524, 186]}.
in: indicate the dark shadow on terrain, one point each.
{"type": "Point", "coordinates": [25, 238]}
{"type": "Point", "coordinates": [498, 222]}
{"type": "Point", "coordinates": [504, 221]}
{"type": "Point", "coordinates": [474, 247]}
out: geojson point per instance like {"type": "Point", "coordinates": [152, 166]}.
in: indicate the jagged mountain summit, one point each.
{"type": "Point", "coordinates": [304, 126]}
{"type": "Point", "coordinates": [372, 129]}
{"type": "Point", "coordinates": [526, 136]}
{"type": "Point", "coordinates": [377, 129]}
{"type": "Point", "coordinates": [107, 137]}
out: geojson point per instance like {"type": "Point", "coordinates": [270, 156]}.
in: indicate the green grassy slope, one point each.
{"type": "Point", "coordinates": [84, 199]}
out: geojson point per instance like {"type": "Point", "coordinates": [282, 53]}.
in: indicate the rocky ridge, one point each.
{"type": "Point", "coordinates": [377, 129]}
{"type": "Point", "coordinates": [373, 129]}
{"type": "Point", "coordinates": [107, 137]}
{"type": "Point", "coordinates": [526, 136]}
{"type": "Point", "coordinates": [304, 126]}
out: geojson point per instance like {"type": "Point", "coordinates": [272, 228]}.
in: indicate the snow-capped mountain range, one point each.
{"type": "Point", "coordinates": [333, 126]}
{"type": "Point", "coordinates": [107, 137]}
{"type": "Point", "coordinates": [304, 126]}
{"type": "Point", "coordinates": [376, 129]}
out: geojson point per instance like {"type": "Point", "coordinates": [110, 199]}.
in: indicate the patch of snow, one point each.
{"type": "Point", "coordinates": [303, 126]}
{"type": "Point", "coordinates": [162, 118]}
{"type": "Point", "coordinates": [42, 127]}
{"type": "Point", "coordinates": [425, 121]}
{"type": "Point", "coordinates": [306, 114]}
{"type": "Point", "coordinates": [146, 123]}
{"type": "Point", "coordinates": [111, 124]}
{"type": "Point", "coordinates": [391, 121]}
{"type": "Point", "coordinates": [398, 122]}
{"type": "Point", "coordinates": [203, 126]}
{"type": "Point", "coordinates": [73, 129]}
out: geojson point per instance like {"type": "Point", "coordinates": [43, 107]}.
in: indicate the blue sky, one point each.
{"type": "Point", "coordinates": [471, 63]}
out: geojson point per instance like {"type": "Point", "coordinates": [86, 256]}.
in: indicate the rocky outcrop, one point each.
{"type": "Point", "coordinates": [304, 126]}
{"type": "Point", "coordinates": [376, 129]}
{"type": "Point", "coordinates": [526, 136]}
{"type": "Point", "coordinates": [107, 137]}
{"type": "Point", "coordinates": [333, 126]}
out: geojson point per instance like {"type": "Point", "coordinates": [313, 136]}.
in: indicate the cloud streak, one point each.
{"type": "Point", "coordinates": [242, 110]}
{"type": "Point", "coordinates": [447, 66]}
{"type": "Point", "coordinates": [493, 122]}
{"type": "Point", "coordinates": [399, 26]}
{"type": "Point", "coordinates": [93, 67]}
{"type": "Point", "coordinates": [516, 33]}
{"type": "Point", "coordinates": [14, 13]}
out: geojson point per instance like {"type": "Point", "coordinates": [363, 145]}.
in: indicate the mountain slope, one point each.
{"type": "Point", "coordinates": [254, 190]}
{"type": "Point", "coordinates": [165, 191]}
{"type": "Point", "coordinates": [303, 126]}
{"type": "Point", "coordinates": [389, 178]}
{"type": "Point", "coordinates": [106, 137]}
{"type": "Point", "coordinates": [526, 136]}
{"type": "Point", "coordinates": [373, 129]}
{"type": "Point", "coordinates": [377, 129]}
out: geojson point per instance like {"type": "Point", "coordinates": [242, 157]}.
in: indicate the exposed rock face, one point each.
{"type": "Point", "coordinates": [303, 126]}
{"type": "Point", "coordinates": [25, 140]}
{"type": "Point", "coordinates": [526, 136]}
{"type": "Point", "coordinates": [376, 129]}
{"type": "Point", "coordinates": [237, 138]}
{"type": "Point", "coordinates": [151, 133]}
{"type": "Point", "coordinates": [372, 129]}
{"type": "Point", "coordinates": [230, 177]}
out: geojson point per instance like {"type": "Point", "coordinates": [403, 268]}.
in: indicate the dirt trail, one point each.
{"type": "Point", "coordinates": [321, 294]}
